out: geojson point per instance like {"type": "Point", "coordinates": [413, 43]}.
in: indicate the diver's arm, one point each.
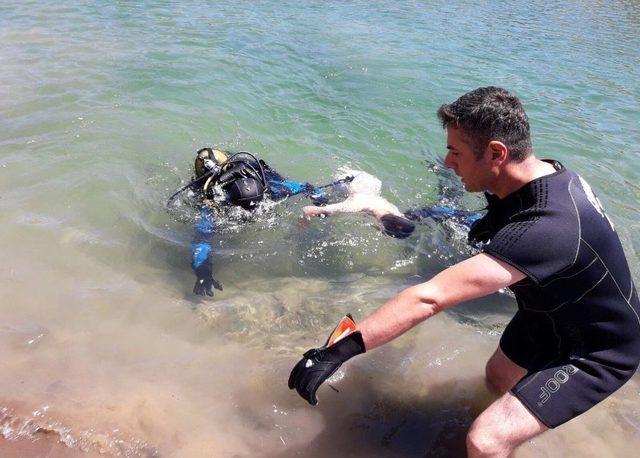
{"type": "Point", "coordinates": [470, 279]}
{"type": "Point", "coordinates": [201, 254]}
{"type": "Point", "coordinates": [281, 188]}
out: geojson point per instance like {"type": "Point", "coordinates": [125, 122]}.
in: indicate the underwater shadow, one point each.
{"type": "Point", "coordinates": [433, 424]}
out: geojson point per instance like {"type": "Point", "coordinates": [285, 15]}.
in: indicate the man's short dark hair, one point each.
{"type": "Point", "coordinates": [490, 113]}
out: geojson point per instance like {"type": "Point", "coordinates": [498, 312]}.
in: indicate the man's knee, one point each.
{"type": "Point", "coordinates": [481, 443]}
{"type": "Point", "coordinates": [501, 428]}
{"type": "Point", "coordinates": [487, 439]}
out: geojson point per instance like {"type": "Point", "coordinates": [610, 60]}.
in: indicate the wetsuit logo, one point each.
{"type": "Point", "coordinates": [593, 200]}
{"type": "Point", "coordinates": [554, 383]}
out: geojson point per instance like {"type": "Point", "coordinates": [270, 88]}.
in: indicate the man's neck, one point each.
{"type": "Point", "coordinates": [516, 175]}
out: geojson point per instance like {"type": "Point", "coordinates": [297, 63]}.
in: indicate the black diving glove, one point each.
{"type": "Point", "coordinates": [318, 364]}
{"type": "Point", "coordinates": [484, 229]}
{"type": "Point", "coordinates": [205, 281]}
{"type": "Point", "coordinates": [319, 200]}
{"type": "Point", "coordinates": [480, 231]}
{"type": "Point", "coordinates": [396, 226]}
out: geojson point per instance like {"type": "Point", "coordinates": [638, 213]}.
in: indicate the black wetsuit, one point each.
{"type": "Point", "coordinates": [577, 329]}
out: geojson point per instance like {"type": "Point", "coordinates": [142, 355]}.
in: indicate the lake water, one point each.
{"type": "Point", "coordinates": [102, 105]}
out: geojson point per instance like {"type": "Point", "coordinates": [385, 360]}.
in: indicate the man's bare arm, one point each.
{"type": "Point", "coordinates": [475, 277]}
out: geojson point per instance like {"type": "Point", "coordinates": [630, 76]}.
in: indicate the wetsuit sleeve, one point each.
{"type": "Point", "coordinates": [539, 243]}
{"type": "Point", "coordinates": [281, 189]}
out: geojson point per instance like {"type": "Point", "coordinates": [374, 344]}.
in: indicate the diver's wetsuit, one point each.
{"type": "Point", "coordinates": [278, 188]}
{"type": "Point", "coordinates": [577, 329]}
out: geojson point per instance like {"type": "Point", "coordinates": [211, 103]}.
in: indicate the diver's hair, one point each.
{"type": "Point", "coordinates": [490, 113]}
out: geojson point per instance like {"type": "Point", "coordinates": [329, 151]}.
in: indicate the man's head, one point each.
{"type": "Point", "coordinates": [485, 128]}
{"type": "Point", "coordinates": [490, 113]}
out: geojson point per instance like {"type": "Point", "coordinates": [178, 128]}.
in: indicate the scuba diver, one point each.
{"type": "Point", "coordinates": [222, 180]}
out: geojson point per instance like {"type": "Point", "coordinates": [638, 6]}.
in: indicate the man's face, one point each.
{"type": "Point", "coordinates": [473, 172]}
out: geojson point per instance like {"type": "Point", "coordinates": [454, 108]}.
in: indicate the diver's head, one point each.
{"type": "Point", "coordinates": [209, 160]}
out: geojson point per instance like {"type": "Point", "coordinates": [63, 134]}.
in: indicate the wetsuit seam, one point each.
{"type": "Point", "coordinates": [569, 276]}
{"type": "Point", "coordinates": [574, 301]}
{"type": "Point", "coordinates": [628, 302]}
{"type": "Point", "coordinates": [577, 213]}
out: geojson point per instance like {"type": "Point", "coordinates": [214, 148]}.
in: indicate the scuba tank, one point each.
{"type": "Point", "coordinates": [243, 185]}
{"type": "Point", "coordinates": [241, 176]}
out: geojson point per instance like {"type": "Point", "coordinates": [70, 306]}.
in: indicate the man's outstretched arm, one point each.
{"type": "Point", "coordinates": [475, 277]}
{"type": "Point", "coordinates": [470, 279]}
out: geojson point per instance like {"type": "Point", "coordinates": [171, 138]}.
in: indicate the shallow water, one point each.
{"type": "Point", "coordinates": [105, 350]}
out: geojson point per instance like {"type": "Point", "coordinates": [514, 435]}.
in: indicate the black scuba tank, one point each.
{"type": "Point", "coordinates": [244, 192]}
{"type": "Point", "coordinates": [243, 184]}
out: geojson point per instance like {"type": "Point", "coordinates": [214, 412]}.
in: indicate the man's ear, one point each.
{"type": "Point", "coordinates": [498, 152]}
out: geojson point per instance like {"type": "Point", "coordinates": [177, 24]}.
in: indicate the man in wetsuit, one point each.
{"type": "Point", "coordinates": [575, 338]}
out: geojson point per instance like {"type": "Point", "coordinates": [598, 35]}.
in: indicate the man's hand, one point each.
{"type": "Point", "coordinates": [205, 281]}
{"type": "Point", "coordinates": [318, 364]}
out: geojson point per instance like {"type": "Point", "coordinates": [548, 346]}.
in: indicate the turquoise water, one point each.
{"type": "Point", "coordinates": [102, 105]}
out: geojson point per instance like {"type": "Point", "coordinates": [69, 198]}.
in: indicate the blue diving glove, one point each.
{"type": "Point", "coordinates": [318, 364]}
{"type": "Point", "coordinates": [203, 268]}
